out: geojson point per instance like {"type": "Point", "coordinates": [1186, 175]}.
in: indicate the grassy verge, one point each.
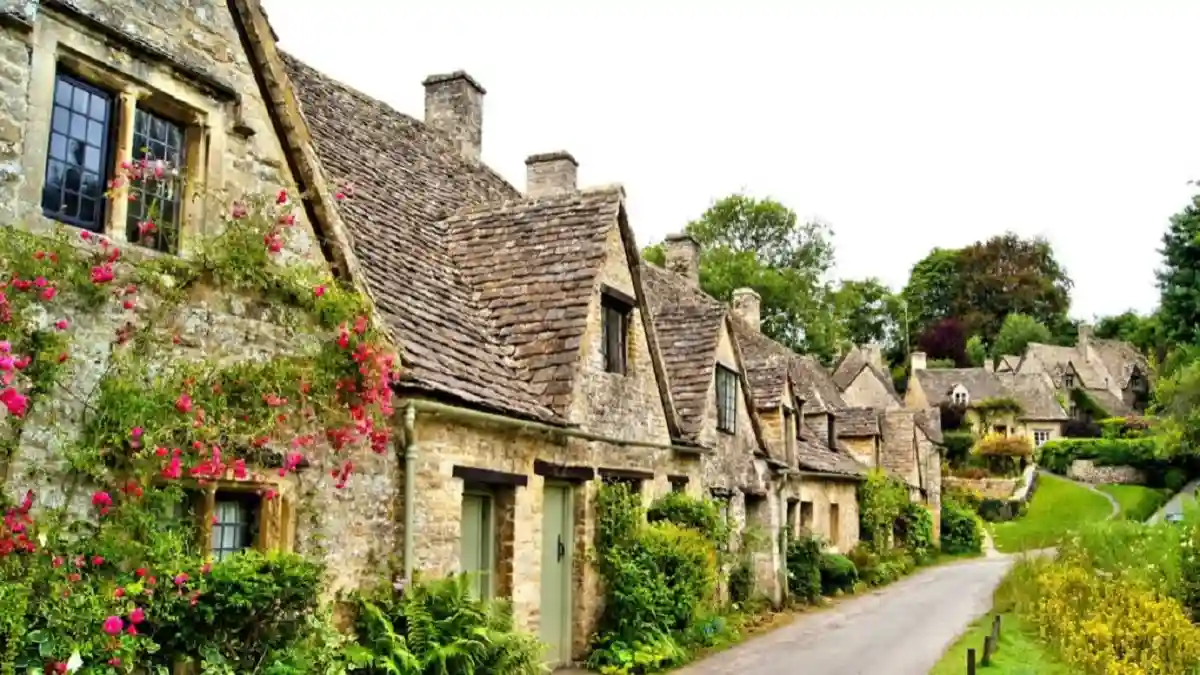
{"type": "Point", "coordinates": [1020, 652]}
{"type": "Point", "coordinates": [1058, 507]}
{"type": "Point", "coordinates": [1137, 502]}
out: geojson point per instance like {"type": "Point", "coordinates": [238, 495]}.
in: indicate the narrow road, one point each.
{"type": "Point", "coordinates": [1176, 503]}
{"type": "Point", "coordinates": [901, 629]}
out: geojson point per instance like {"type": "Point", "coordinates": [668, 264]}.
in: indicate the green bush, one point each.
{"type": "Point", "coordinates": [658, 579]}
{"type": "Point", "coordinates": [1174, 479]}
{"type": "Point", "coordinates": [701, 515]}
{"type": "Point", "coordinates": [961, 530]}
{"type": "Point", "coordinates": [804, 568]}
{"type": "Point", "coordinates": [838, 574]}
{"type": "Point", "coordinates": [878, 568]}
{"type": "Point", "coordinates": [1125, 427]}
{"type": "Point", "coordinates": [958, 446]}
{"type": "Point", "coordinates": [741, 582]}
{"type": "Point", "coordinates": [1057, 455]}
{"type": "Point", "coordinates": [881, 500]}
{"type": "Point", "coordinates": [437, 627]}
{"type": "Point", "coordinates": [914, 531]}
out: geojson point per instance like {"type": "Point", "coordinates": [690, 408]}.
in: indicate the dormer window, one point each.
{"type": "Point", "coordinates": [959, 396]}
{"type": "Point", "coordinates": [727, 388]}
{"type": "Point", "coordinates": [1069, 381]}
{"type": "Point", "coordinates": [614, 348]}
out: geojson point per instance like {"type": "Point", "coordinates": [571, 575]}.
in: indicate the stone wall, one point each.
{"type": "Point", "coordinates": [863, 449]}
{"type": "Point", "coordinates": [992, 488]}
{"type": "Point", "coordinates": [1087, 471]}
{"type": "Point", "coordinates": [866, 391]}
{"type": "Point", "coordinates": [823, 493]}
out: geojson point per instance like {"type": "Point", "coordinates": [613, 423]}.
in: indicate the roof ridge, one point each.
{"type": "Point", "coordinates": [443, 139]}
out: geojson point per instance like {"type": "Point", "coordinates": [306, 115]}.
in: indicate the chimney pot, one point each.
{"type": "Point", "coordinates": [454, 106]}
{"type": "Point", "coordinates": [874, 354]}
{"type": "Point", "coordinates": [747, 305]}
{"type": "Point", "coordinates": [683, 257]}
{"type": "Point", "coordinates": [551, 173]}
{"type": "Point", "coordinates": [1085, 334]}
{"type": "Point", "coordinates": [918, 361]}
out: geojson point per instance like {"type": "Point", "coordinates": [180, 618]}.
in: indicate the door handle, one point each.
{"type": "Point", "coordinates": [562, 550]}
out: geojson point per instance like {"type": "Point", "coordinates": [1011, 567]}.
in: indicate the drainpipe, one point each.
{"type": "Point", "coordinates": [410, 487]}
{"type": "Point", "coordinates": [466, 414]}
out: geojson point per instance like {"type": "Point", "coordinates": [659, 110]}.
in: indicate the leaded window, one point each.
{"type": "Point", "coordinates": [157, 199]}
{"type": "Point", "coordinates": [234, 524]}
{"type": "Point", "coordinates": [77, 166]}
{"type": "Point", "coordinates": [727, 387]}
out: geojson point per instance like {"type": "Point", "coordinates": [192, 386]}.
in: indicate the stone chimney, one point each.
{"type": "Point", "coordinates": [1085, 334]}
{"type": "Point", "coordinates": [747, 305]}
{"type": "Point", "coordinates": [683, 257]}
{"type": "Point", "coordinates": [874, 354]}
{"type": "Point", "coordinates": [832, 419]}
{"type": "Point", "coordinates": [454, 106]}
{"type": "Point", "coordinates": [918, 361]}
{"type": "Point", "coordinates": [552, 173]}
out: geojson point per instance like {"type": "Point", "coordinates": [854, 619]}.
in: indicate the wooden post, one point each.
{"type": "Point", "coordinates": [996, 634]}
{"type": "Point", "coordinates": [970, 662]}
{"type": "Point", "coordinates": [987, 651]}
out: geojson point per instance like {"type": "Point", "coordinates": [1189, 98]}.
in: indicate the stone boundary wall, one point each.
{"type": "Point", "coordinates": [989, 488]}
{"type": "Point", "coordinates": [1086, 471]}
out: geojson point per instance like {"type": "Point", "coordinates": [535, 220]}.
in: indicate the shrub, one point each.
{"type": "Point", "coordinates": [1081, 428]}
{"type": "Point", "coordinates": [958, 446]}
{"type": "Point", "coordinates": [914, 531]}
{"type": "Point", "coordinates": [804, 568]}
{"type": "Point", "coordinates": [961, 530]}
{"type": "Point", "coordinates": [881, 499]}
{"type": "Point", "coordinates": [741, 582]}
{"type": "Point", "coordinates": [998, 445]}
{"type": "Point", "coordinates": [877, 568]}
{"type": "Point", "coordinates": [838, 574]}
{"type": "Point", "coordinates": [659, 577]}
{"type": "Point", "coordinates": [1057, 455]}
{"type": "Point", "coordinates": [701, 515]}
{"type": "Point", "coordinates": [1125, 427]}
{"type": "Point", "coordinates": [1174, 479]}
{"type": "Point", "coordinates": [953, 416]}
{"type": "Point", "coordinates": [437, 627]}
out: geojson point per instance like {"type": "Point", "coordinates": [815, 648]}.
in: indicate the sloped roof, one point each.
{"type": "Point", "coordinates": [855, 361]}
{"type": "Point", "coordinates": [688, 323]}
{"type": "Point", "coordinates": [532, 265]}
{"type": "Point", "coordinates": [767, 365]}
{"type": "Point", "coordinates": [930, 423]}
{"type": "Point", "coordinates": [816, 387]}
{"type": "Point", "coordinates": [1056, 359]}
{"type": "Point", "coordinates": [1028, 389]}
{"type": "Point", "coordinates": [408, 177]}
{"type": "Point", "coordinates": [814, 455]}
{"type": "Point", "coordinates": [1121, 359]}
{"type": "Point", "coordinates": [857, 422]}
{"type": "Point", "coordinates": [1111, 403]}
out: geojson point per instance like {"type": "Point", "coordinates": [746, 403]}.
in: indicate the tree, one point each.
{"type": "Point", "coordinates": [868, 310]}
{"type": "Point", "coordinates": [1017, 331]}
{"type": "Point", "coordinates": [761, 244]}
{"type": "Point", "coordinates": [945, 339]}
{"type": "Point", "coordinates": [930, 291]}
{"type": "Point", "coordinates": [1179, 277]}
{"type": "Point", "coordinates": [1007, 275]}
{"type": "Point", "coordinates": [976, 351]}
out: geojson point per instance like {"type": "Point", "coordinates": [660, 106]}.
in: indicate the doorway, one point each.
{"type": "Point", "coordinates": [557, 547]}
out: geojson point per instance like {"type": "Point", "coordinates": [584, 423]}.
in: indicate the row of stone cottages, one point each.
{"type": "Point", "coordinates": [540, 356]}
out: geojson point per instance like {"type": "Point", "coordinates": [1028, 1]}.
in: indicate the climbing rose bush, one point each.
{"type": "Point", "coordinates": [125, 585]}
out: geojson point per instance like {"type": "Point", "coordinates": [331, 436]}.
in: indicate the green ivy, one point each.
{"type": "Point", "coordinates": [881, 501]}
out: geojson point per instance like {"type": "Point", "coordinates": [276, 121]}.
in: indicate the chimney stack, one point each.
{"type": "Point", "coordinates": [1085, 334]}
{"type": "Point", "coordinates": [747, 305]}
{"type": "Point", "coordinates": [918, 361]}
{"type": "Point", "coordinates": [454, 106]}
{"type": "Point", "coordinates": [683, 257]}
{"type": "Point", "coordinates": [551, 173]}
{"type": "Point", "coordinates": [874, 354]}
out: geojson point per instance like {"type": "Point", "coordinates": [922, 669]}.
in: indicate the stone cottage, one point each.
{"type": "Point", "coordinates": [1112, 373]}
{"type": "Point", "coordinates": [88, 85]}
{"type": "Point", "coordinates": [821, 493]}
{"type": "Point", "coordinates": [1041, 417]}
{"type": "Point", "coordinates": [864, 379]}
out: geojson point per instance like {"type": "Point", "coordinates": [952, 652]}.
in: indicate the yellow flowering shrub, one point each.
{"type": "Point", "coordinates": [1108, 627]}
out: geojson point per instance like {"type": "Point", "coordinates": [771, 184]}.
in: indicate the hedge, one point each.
{"type": "Point", "coordinates": [1057, 455]}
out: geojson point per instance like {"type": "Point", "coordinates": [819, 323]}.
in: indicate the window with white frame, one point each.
{"type": "Point", "coordinates": [959, 396]}
{"type": "Point", "coordinates": [1040, 436]}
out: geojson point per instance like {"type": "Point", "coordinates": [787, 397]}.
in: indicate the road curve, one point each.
{"type": "Point", "coordinates": [902, 629]}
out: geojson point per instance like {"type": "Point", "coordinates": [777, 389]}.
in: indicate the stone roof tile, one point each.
{"type": "Point", "coordinates": [857, 422]}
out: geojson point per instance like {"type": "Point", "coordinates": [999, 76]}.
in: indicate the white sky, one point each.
{"type": "Point", "coordinates": [904, 125]}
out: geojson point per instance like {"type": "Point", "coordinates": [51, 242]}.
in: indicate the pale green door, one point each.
{"type": "Point", "coordinates": [556, 573]}
{"type": "Point", "coordinates": [476, 558]}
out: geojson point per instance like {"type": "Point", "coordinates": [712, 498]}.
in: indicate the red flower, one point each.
{"type": "Point", "coordinates": [141, 571]}
{"type": "Point", "coordinates": [49, 294]}
{"type": "Point", "coordinates": [97, 560]}
{"type": "Point", "coordinates": [61, 324]}
{"type": "Point", "coordinates": [319, 291]}
{"type": "Point", "coordinates": [238, 211]}
{"type": "Point", "coordinates": [184, 403]}
{"type": "Point", "coordinates": [16, 403]}
{"type": "Point", "coordinates": [101, 499]}
{"type": "Point", "coordinates": [119, 593]}
{"type": "Point", "coordinates": [138, 615]}
{"type": "Point", "coordinates": [281, 198]}
{"type": "Point", "coordinates": [113, 625]}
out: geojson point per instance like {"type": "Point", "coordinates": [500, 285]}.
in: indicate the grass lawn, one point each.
{"type": "Point", "coordinates": [1059, 506]}
{"type": "Point", "coordinates": [1020, 653]}
{"type": "Point", "coordinates": [1137, 502]}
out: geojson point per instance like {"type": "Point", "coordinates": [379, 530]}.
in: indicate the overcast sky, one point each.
{"type": "Point", "coordinates": [903, 124]}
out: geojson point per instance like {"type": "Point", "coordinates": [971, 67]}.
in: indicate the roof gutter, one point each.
{"type": "Point", "coordinates": [828, 474]}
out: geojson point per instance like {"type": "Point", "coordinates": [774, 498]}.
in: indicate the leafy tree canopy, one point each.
{"type": "Point", "coordinates": [868, 310]}
{"type": "Point", "coordinates": [1179, 276]}
{"type": "Point", "coordinates": [976, 351]}
{"type": "Point", "coordinates": [1017, 331]}
{"type": "Point", "coordinates": [946, 340]}
{"type": "Point", "coordinates": [761, 244]}
{"type": "Point", "coordinates": [1144, 332]}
